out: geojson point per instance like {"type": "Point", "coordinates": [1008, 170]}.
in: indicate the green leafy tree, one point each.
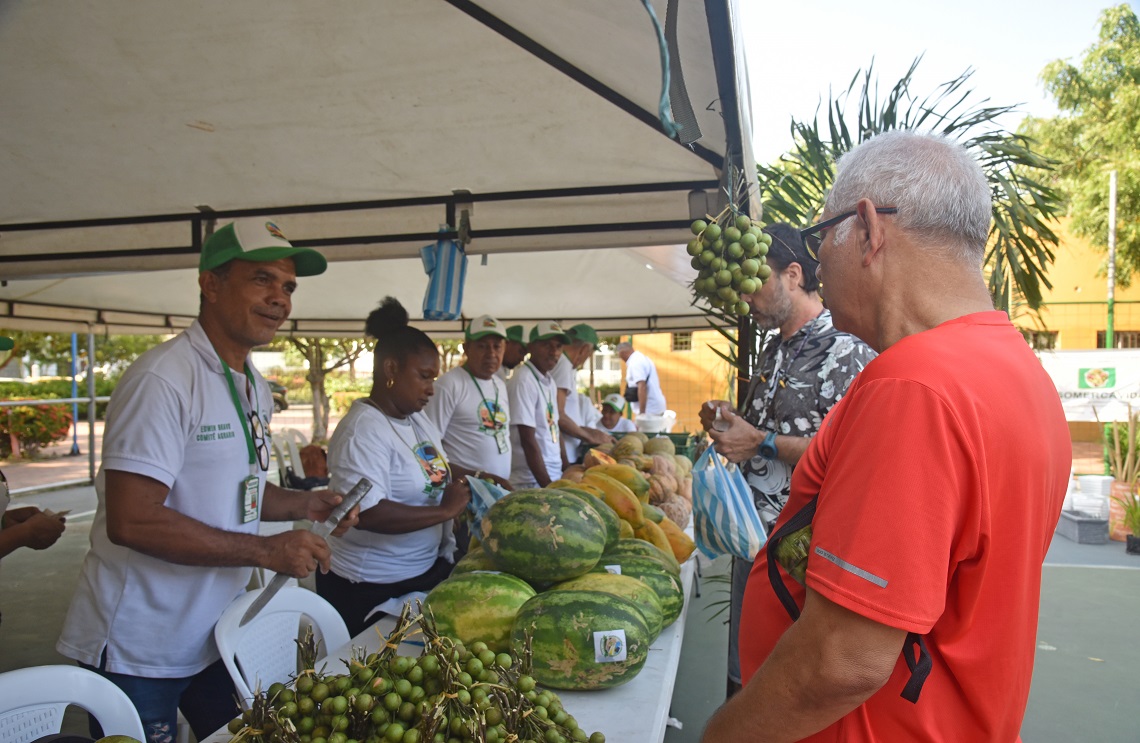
{"type": "Point", "coordinates": [1021, 242]}
{"type": "Point", "coordinates": [324, 355]}
{"type": "Point", "coordinates": [1097, 132]}
{"type": "Point", "coordinates": [116, 351]}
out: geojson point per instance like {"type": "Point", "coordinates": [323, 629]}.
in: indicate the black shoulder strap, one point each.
{"type": "Point", "coordinates": [802, 518]}
{"type": "Point", "coordinates": [920, 666]}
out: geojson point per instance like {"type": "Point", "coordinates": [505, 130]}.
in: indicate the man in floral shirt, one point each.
{"type": "Point", "coordinates": [804, 369]}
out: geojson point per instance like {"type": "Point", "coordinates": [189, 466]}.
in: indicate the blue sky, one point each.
{"type": "Point", "coordinates": [797, 49]}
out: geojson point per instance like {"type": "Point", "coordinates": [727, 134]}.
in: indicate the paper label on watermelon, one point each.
{"type": "Point", "coordinates": [609, 646]}
{"type": "Point", "coordinates": [615, 569]}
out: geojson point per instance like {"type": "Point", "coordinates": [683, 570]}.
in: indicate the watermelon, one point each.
{"type": "Point", "coordinates": [475, 559]}
{"type": "Point", "coordinates": [478, 606]}
{"type": "Point", "coordinates": [643, 597]}
{"type": "Point", "coordinates": [582, 640]}
{"type": "Point", "coordinates": [609, 516]}
{"type": "Point", "coordinates": [543, 535]}
{"type": "Point", "coordinates": [650, 571]}
{"type": "Point", "coordinates": [645, 549]}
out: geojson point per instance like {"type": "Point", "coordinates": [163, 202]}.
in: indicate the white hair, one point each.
{"type": "Point", "coordinates": [939, 189]}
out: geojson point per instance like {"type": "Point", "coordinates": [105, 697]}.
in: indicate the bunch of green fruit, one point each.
{"type": "Point", "coordinates": [449, 694]}
{"type": "Point", "coordinates": [729, 255]}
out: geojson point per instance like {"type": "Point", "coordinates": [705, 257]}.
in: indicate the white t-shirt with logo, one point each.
{"type": "Point", "coordinates": [474, 416]}
{"type": "Point", "coordinates": [534, 402]}
{"type": "Point", "coordinates": [405, 461]}
{"type": "Point", "coordinates": [172, 419]}
{"type": "Point", "coordinates": [639, 368]}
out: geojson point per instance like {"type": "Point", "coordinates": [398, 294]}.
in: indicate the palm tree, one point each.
{"type": "Point", "coordinates": [1021, 242]}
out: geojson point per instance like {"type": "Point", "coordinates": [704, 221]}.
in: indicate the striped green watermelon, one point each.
{"type": "Point", "coordinates": [478, 606]}
{"type": "Point", "coordinates": [609, 515]}
{"type": "Point", "coordinates": [475, 559]}
{"type": "Point", "coordinates": [642, 596]}
{"type": "Point", "coordinates": [641, 547]}
{"type": "Point", "coordinates": [582, 640]}
{"type": "Point", "coordinates": [650, 571]}
{"type": "Point", "coordinates": [543, 535]}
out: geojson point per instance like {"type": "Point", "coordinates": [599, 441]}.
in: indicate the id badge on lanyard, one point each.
{"type": "Point", "coordinates": [250, 498]}
{"type": "Point", "coordinates": [551, 423]}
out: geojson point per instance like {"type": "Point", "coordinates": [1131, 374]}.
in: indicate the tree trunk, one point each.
{"type": "Point", "coordinates": [352, 368]}
{"type": "Point", "coordinates": [316, 377]}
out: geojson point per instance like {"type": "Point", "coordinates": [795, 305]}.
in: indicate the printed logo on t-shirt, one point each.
{"type": "Point", "coordinates": [492, 417]}
{"type": "Point", "coordinates": [551, 423]}
{"type": "Point", "coordinates": [433, 467]}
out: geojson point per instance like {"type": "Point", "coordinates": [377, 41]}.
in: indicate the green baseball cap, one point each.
{"type": "Point", "coordinates": [583, 333]}
{"type": "Point", "coordinates": [548, 329]}
{"type": "Point", "coordinates": [515, 333]}
{"type": "Point", "coordinates": [257, 239]}
{"type": "Point", "coordinates": [484, 325]}
{"type": "Point", "coordinates": [6, 344]}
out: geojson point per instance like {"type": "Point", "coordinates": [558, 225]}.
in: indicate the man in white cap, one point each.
{"type": "Point", "coordinates": [575, 432]}
{"type": "Point", "coordinates": [471, 408]}
{"type": "Point", "coordinates": [183, 488]}
{"type": "Point", "coordinates": [536, 451]}
{"type": "Point", "coordinates": [613, 421]}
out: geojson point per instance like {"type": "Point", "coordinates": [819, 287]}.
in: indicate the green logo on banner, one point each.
{"type": "Point", "coordinates": [1097, 378]}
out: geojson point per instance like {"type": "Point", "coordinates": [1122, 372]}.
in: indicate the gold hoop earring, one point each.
{"type": "Point", "coordinates": [391, 383]}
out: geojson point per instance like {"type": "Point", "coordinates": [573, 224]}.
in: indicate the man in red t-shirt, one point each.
{"type": "Point", "coordinates": [921, 512]}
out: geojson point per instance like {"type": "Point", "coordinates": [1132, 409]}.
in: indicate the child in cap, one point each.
{"type": "Point", "coordinates": [612, 421]}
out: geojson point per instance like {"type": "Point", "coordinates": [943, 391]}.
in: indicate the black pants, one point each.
{"type": "Point", "coordinates": [355, 601]}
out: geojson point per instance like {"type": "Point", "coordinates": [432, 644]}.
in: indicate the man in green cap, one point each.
{"type": "Point", "coordinates": [536, 452]}
{"type": "Point", "coordinates": [513, 353]}
{"type": "Point", "coordinates": [571, 421]}
{"type": "Point", "coordinates": [183, 488]}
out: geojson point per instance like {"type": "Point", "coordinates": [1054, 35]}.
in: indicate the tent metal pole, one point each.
{"type": "Point", "coordinates": [91, 405]}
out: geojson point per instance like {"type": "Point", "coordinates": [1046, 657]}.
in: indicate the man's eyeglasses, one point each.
{"type": "Point", "coordinates": [260, 443]}
{"type": "Point", "coordinates": [813, 236]}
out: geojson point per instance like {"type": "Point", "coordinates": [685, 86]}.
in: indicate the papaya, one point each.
{"type": "Point", "coordinates": [680, 542]}
{"type": "Point", "coordinates": [660, 445]}
{"type": "Point", "coordinates": [626, 475]}
{"type": "Point", "coordinates": [652, 533]}
{"type": "Point", "coordinates": [563, 483]}
{"type": "Point", "coordinates": [617, 497]}
{"type": "Point", "coordinates": [652, 513]}
{"type": "Point", "coordinates": [573, 472]}
{"type": "Point", "coordinates": [625, 530]}
{"type": "Point", "coordinates": [595, 457]}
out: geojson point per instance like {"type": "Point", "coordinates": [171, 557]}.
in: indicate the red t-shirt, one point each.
{"type": "Point", "coordinates": [940, 478]}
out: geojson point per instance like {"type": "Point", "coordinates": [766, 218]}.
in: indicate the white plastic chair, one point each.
{"type": "Point", "coordinates": [33, 700]}
{"type": "Point", "coordinates": [295, 441]}
{"type": "Point", "coordinates": [264, 651]}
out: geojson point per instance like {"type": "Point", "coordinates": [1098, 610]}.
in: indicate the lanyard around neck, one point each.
{"type": "Point", "coordinates": [415, 435]}
{"type": "Point", "coordinates": [538, 379]}
{"type": "Point", "coordinates": [245, 425]}
{"type": "Point", "coordinates": [475, 382]}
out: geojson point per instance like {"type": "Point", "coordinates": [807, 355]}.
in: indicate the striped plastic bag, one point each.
{"type": "Point", "coordinates": [445, 263]}
{"type": "Point", "coordinates": [725, 521]}
{"type": "Point", "coordinates": [483, 496]}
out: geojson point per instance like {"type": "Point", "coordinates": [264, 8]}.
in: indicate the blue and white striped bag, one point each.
{"type": "Point", "coordinates": [725, 521]}
{"type": "Point", "coordinates": [483, 496]}
{"type": "Point", "coordinates": [446, 265]}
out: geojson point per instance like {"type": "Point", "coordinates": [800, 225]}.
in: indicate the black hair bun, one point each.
{"type": "Point", "coordinates": [389, 317]}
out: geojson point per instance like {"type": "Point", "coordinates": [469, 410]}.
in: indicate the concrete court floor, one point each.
{"type": "Point", "coordinates": [1084, 685]}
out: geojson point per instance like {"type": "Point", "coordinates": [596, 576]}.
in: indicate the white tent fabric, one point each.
{"type": "Point", "coordinates": [129, 129]}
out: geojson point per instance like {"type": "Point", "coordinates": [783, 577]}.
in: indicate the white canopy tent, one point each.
{"type": "Point", "coordinates": [130, 129]}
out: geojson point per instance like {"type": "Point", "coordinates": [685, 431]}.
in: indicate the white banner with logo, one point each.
{"type": "Point", "coordinates": [1097, 384]}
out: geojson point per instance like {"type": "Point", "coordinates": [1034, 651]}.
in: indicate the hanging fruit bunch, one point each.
{"type": "Point", "coordinates": [729, 253]}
